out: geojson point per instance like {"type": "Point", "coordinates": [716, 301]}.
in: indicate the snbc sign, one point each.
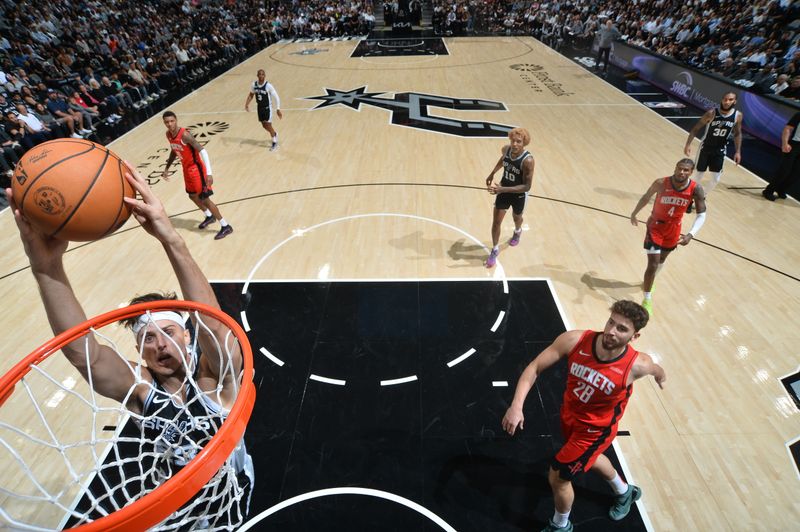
{"type": "Point", "coordinates": [683, 87]}
{"type": "Point", "coordinates": [537, 79]}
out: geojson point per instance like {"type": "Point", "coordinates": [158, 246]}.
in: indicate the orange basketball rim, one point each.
{"type": "Point", "coordinates": [159, 504]}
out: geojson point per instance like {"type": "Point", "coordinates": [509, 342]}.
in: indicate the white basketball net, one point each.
{"type": "Point", "coordinates": [69, 456]}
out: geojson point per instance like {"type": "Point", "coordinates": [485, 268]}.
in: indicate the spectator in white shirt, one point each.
{"type": "Point", "coordinates": [683, 35]}
{"type": "Point", "coordinates": [34, 128]}
{"type": "Point", "coordinates": [724, 51]}
{"type": "Point", "coordinates": [780, 84]}
{"type": "Point", "coordinates": [758, 57]}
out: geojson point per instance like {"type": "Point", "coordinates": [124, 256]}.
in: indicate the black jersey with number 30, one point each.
{"type": "Point", "coordinates": [719, 130]}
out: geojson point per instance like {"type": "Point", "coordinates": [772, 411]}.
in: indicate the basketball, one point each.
{"type": "Point", "coordinates": [72, 189]}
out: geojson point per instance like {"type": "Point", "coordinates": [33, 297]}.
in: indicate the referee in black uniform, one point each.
{"type": "Point", "coordinates": [789, 168]}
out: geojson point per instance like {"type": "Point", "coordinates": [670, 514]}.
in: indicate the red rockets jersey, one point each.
{"type": "Point", "coordinates": [188, 154]}
{"type": "Point", "coordinates": [596, 391]}
{"type": "Point", "coordinates": [671, 204]}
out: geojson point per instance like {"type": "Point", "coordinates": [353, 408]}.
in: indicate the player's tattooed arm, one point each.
{"type": "Point", "coordinates": [707, 117]}
{"type": "Point", "coordinates": [737, 139]}
{"type": "Point", "coordinates": [644, 366]}
{"type": "Point", "coordinates": [497, 167]}
{"type": "Point", "coordinates": [170, 159]}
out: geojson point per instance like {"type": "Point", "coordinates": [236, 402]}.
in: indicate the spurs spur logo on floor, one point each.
{"type": "Point", "coordinates": [207, 129]}
{"type": "Point", "coordinates": [153, 166]}
{"type": "Point", "coordinates": [527, 67]}
{"type": "Point", "coordinates": [537, 79]}
{"type": "Point", "coordinates": [410, 109]}
{"type": "Point", "coordinates": [310, 51]}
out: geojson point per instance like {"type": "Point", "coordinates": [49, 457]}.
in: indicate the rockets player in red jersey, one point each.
{"type": "Point", "coordinates": [673, 194]}
{"type": "Point", "coordinates": [197, 176]}
{"type": "Point", "coordinates": [601, 368]}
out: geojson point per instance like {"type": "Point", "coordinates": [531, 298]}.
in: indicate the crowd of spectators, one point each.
{"type": "Point", "coordinates": [756, 43]}
{"type": "Point", "coordinates": [318, 19]}
{"type": "Point", "coordinates": [68, 68]}
{"type": "Point", "coordinates": [392, 11]}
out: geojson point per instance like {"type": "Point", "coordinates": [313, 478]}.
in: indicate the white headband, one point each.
{"type": "Point", "coordinates": [152, 317]}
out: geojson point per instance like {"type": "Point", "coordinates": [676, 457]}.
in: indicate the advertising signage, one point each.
{"type": "Point", "coordinates": [764, 116]}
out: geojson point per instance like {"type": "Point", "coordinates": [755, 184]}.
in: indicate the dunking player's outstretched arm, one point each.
{"type": "Point", "coordinates": [644, 366]}
{"type": "Point", "coordinates": [699, 197]}
{"type": "Point", "coordinates": [497, 166]}
{"type": "Point", "coordinates": [654, 189]}
{"type": "Point", "coordinates": [527, 180]}
{"type": "Point", "coordinates": [111, 375]}
{"type": "Point", "coordinates": [551, 354]}
{"type": "Point", "coordinates": [707, 117]}
{"type": "Point", "coordinates": [189, 139]}
{"type": "Point", "coordinates": [194, 285]}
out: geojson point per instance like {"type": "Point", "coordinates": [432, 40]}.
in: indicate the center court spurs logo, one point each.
{"type": "Point", "coordinates": [410, 109]}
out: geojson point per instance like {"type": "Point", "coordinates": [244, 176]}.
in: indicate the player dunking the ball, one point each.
{"type": "Point", "coordinates": [517, 164]}
{"type": "Point", "coordinates": [673, 196]}
{"type": "Point", "coordinates": [601, 368]}
{"type": "Point", "coordinates": [197, 174]}
{"type": "Point", "coordinates": [266, 98]}
{"type": "Point", "coordinates": [156, 389]}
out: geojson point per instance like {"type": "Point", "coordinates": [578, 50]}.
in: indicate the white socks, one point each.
{"type": "Point", "coordinates": [222, 222]}
{"type": "Point", "coordinates": [207, 213]}
{"type": "Point", "coordinates": [715, 177]}
{"type": "Point", "coordinates": [699, 177]}
{"type": "Point", "coordinates": [648, 295]}
{"type": "Point", "coordinates": [618, 485]}
{"type": "Point", "coordinates": [559, 519]}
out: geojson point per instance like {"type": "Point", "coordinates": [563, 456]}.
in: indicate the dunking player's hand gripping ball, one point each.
{"type": "Point", "coordinates": [72, 189]}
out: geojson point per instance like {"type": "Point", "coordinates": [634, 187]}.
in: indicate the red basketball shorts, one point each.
{"type": "Point", "coordinates": [194, 179]}
{"type": "Point", "coordinates": [583, 445]}
{"type": "Point", "coordinates": [662, 235]}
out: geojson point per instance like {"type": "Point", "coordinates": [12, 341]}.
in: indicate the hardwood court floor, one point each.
{"type": "Point", "coordinates": [708, 450]}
